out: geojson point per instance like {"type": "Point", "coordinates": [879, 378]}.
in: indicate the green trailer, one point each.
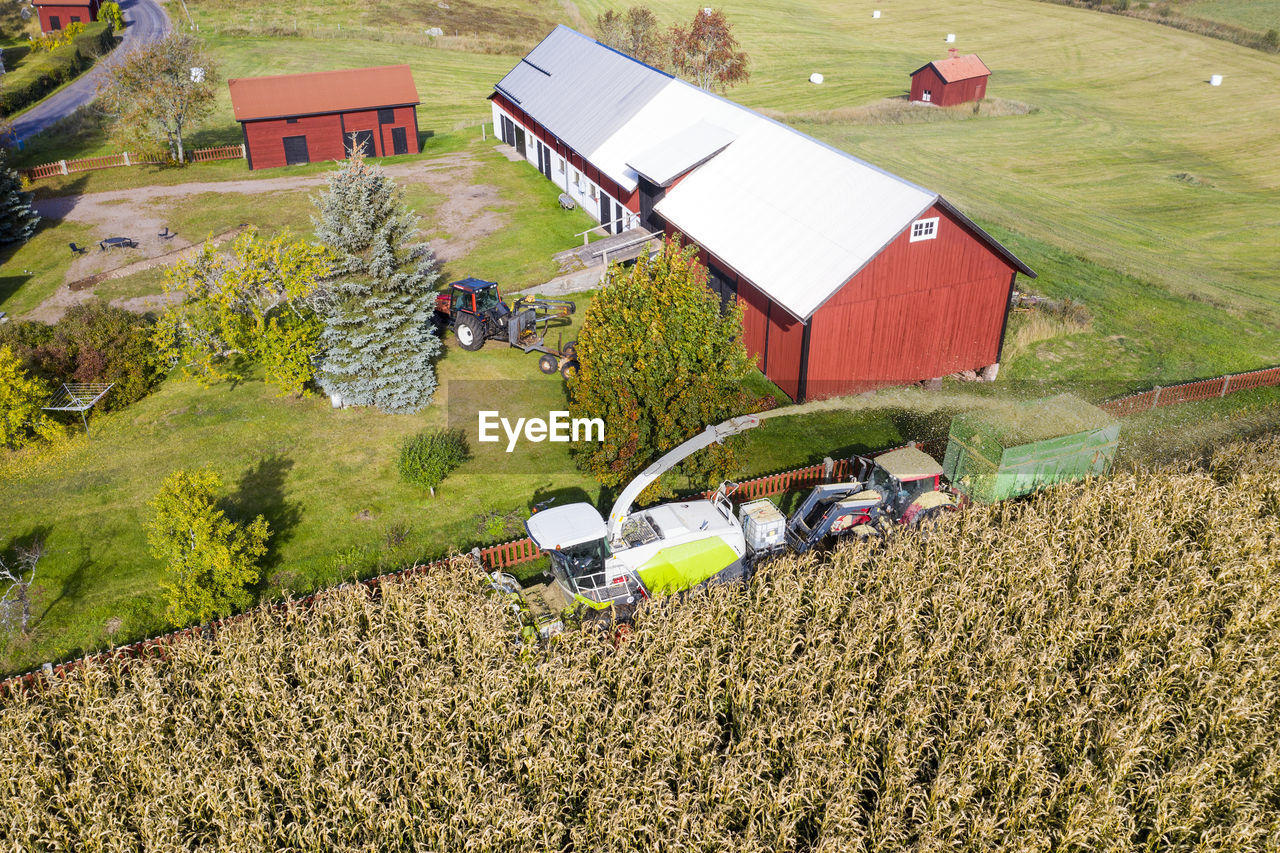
{"type": "Point", "coordinates": [1023, 447]}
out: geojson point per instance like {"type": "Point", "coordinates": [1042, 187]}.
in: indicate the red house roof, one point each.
{"type": "Point", "coordinates": [957, 68]}
{"type": "Point", "coordinates": [322, 92]}
{"type": "Point", "coordinates": [88, 3]}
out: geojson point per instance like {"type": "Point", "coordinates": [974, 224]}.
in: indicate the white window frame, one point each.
{"type": "Point", "coordinates": [924, 229]}
{"type": "Point", "coordinates": [560, 165]}
{"type": "Point", "coordinates": [927, 97]}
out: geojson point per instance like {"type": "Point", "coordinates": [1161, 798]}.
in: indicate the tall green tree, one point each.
{"type": "Point", "coordinates": [379, 348]}
{"type": "Point", "coordinates": [158, 92]}
{"type": "Point", "coordinates": [253, 306]}
{"type": "Point", "coordinates": [210, 560]}
{"type": "Point", "coordinates": [18, 219]}
{"type": "Point", "coordinates": [658, 362]}
{"type": "Point", "coordinates": [706, 53]}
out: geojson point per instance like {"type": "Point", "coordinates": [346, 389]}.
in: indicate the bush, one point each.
{"type": "Point", "coordinates": [210, 560]}
{"type": "Point", "coordinates": [428, 457]}
{"type": "Point", "coordinates": [40, 72]}
{"type": "Point", "coordinates": [110, 14]}
{"type": "Point", "coordinates": [22, 420]}
{"type": "Point", "coordinates": [1271, 39]}
{"type": "Point", "coordinates": [94, 342]}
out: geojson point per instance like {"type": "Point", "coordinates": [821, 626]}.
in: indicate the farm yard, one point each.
{"type": "Point", "coordinates": [1131, 186]}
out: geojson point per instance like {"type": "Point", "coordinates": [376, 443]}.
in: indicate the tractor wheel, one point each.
{"type": "Point", "coordinates": [569, 369]}
{"type": "Point", "coordinates": [470, 332]}
{"type": "Point", "coordinates": [548, 364]}
{"type": "Point", "coordinates": [930, 517]}
{"type": "Point", "coordinates": [570, 350]}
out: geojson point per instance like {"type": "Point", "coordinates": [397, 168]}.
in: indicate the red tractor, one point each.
{"type": "Point", "coordinates": [475, 310]}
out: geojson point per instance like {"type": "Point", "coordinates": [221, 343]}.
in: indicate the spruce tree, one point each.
{"type": "Point", "coordinates": [378, 343]}
{"type": "Point", "coordinates": [17, 218]}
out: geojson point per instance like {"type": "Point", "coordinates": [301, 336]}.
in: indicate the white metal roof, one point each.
{"type": "Point", "coordinates": [793, 215]}
{"type": "Point", "coordinates": [579, 89]}
{"type": "Point", "coordinates": [677, 154]}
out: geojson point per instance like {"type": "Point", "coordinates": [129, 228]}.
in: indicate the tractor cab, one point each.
{"type": "Point", "coordinates": [909, 479]}
{"type": "Point", "coordinates": [582, 563]}
{"type": "Point", "coordinates": [471, 296]}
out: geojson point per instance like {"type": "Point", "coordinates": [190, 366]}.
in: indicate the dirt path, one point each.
{"type": "Point", "coordinates": [463, 219]}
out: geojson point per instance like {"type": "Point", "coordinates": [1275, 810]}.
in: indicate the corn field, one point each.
{"type": "Point", "coordinates": [1095, 669]}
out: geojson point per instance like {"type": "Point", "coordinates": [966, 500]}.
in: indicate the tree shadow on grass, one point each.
{"type": "Point", "coordinates": [260, 491]}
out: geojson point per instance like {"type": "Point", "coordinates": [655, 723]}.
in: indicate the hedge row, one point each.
{"type": "Point", "coordinates": [37, 74]}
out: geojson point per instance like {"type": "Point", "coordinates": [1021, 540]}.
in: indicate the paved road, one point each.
{"type": "Point", "coordinates": [146, 22]}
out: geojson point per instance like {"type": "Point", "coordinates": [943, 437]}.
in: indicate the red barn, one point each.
{"type": "Point", "coordinates": [950, 81]}
{"type": "Point", "coordinates": [849, 277]}
{"type": "Point", "coordinates": [307, 118]}
{"type": "Point", "coordinates": [56, 15]}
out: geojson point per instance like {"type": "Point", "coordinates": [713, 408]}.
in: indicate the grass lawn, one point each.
{"type": "Point", "coordinates": [33, 271]}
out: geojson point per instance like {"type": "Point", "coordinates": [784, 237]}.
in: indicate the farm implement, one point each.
{"type": "Point", "coordinates": [476, 312]}
{"type": "Point", "coordinates": [607, 565]}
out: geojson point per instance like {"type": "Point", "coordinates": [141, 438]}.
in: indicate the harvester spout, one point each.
{"type": "Point", "coordinates": [711, 435]}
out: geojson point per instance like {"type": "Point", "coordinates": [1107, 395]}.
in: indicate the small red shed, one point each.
{"type": "Point", "coordinates": [306, 118]}
{"type": "Point", "coordinates": [950, 81]}
{"type": "Point", "coordinates": [55, 16]}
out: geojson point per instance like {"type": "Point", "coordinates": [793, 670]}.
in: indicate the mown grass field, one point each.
{"type": "Point", "coordinates": [1260, 15]}
{"type": "Point", "coordinates": [1094, 668]}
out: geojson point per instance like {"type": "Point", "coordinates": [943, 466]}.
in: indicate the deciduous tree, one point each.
{"type": "Point", "coordinates": [210, 560]}
{"type": "Point", "coordinates": [636, 34]}
{"type": "Point", "coordinates": [256, 305]}
{"type": "Point", "coordinates": [658, 361]}
{"type": "Point", "coordinates": [706, 53]}
{"type": "Point", "coordinates": [19, 573]}
{"type": "Point", "coordinates": [378, 346]}
{"type": "Point", "coordinates": [159, 91]}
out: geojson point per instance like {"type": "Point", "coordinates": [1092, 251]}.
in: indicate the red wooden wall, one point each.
{"type": "Point", "coordinates": [946, 94]}
{"type": "Point", "coordinates": [86, 12]}
{"type": "Point", "coordinates": [916, 311]}
{"type": "Point", "coordinates": [325, 135]}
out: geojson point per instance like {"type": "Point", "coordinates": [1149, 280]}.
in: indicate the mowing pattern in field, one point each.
{"type": "Point", "coordinates": [1096, 669]}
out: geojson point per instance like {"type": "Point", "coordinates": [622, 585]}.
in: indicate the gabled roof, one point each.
{"type": "Point", "coordinates": [579, 89]}
{"type": "Point", "coordinates": [795, 216]}
{"type": "Point", "coordinates": [957, 68]}
{"type": "Point", "coordinates": [285, 95]}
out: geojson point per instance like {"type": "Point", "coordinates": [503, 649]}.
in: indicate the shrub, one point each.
{"type": "Point", "coordinates": [110, 14]}
{"type": "Point", "coordinates": [40, 72]}
{"type": "Point", "coordinates": [22, 420]}
{"type": "Point", "coordinates": [428, 457]}
{"type": "Point", "coordinates": [94, 342]}
{"type": "Point", "coordinates": [209, 559]}
{"type": "Point", "coordinates": [1271, 39]}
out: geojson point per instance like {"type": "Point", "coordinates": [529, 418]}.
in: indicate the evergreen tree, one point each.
{"type": "Point", "coordinates": [378, 343]}
{"type": "Point", "coordinates": [17, 218]}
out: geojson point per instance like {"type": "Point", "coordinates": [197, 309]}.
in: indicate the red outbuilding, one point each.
{"type": "Point", "coordinates": [307, 118]}
{"type": "Point", "coordinates": [56, 15]}
{"type": "Point", "coordinates": [950, 81]}
{"type": "Point", "coordinates": [849, 278]}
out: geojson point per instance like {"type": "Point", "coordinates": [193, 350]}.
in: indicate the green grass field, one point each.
{"type": "Point", "coordinates": [1259, 15]}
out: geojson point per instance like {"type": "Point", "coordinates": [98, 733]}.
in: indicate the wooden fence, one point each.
{"type": "Point", "coordinates": [1191, 392]}
{"type": "Point", "coordinates": [112, 161]}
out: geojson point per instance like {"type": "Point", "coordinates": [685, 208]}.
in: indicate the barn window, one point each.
{"type": "Point", "coordinates": [924, 229]}
{"type": "Point", "coordinates": [386, 116]}
{"type": "Point", "coordinates": [927, 96]}
{"type": "Point", "coordinates": [560, 165]}
{"type": "Point", "coordinates": [291, 121]}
